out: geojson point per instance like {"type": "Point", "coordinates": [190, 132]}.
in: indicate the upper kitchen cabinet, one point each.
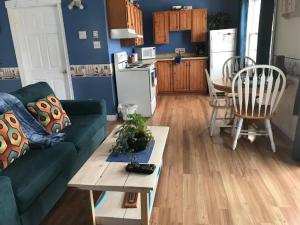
{"type": "Point", "coordinates": [199, 25]}
{"type": "Point", "coordinates": [124, 20]}
{"type": "Point", "coordinates": [161, 27]}
{"type": "Point", "coordinates": [180, 20]}
{"type": "Point", "coordinates": [174, 20]}
{"type": "Point", "coordinates": [185, 19]}
{"type": "Point", "coordinates": [139, 30]}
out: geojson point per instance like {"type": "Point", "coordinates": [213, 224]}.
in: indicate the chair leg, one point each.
{"type": "Point", "coordinates": [213, 121]}
{"type": "Point", "coordinates": [237, 133]}
{"type": "Point", "coordinates": [234, 126]}
{"type": "Point", "coordinates": [212, 116]}
{"type": "Point", "coordinates": [270, 134]}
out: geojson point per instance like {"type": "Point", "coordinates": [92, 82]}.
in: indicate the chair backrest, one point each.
{"type": "Point", "coordinates": [235, 64]}
{"type": "Point", "coordinates": [258, 90]}
{"type": "Point", "coordinates": [211, 90]}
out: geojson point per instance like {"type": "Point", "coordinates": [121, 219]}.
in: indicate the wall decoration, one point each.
{"type": "Point", "coordinates": [91, 70]}
{"type": "Point", "coordinates": [290, 8]}
{"type": "Point", "coordinates": [9, 73]}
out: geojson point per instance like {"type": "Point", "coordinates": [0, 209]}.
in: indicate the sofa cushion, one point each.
{"type": "Point", "coordinates": [13, 142]}
{"type": "Point", "coordinates": [33, 92]}
{"type": "Point", "coordinates": [83, 129]}
{"type": "Point", "coordinates": [31, 174]}
{"type": "Point", "coordinates": [50, 114]}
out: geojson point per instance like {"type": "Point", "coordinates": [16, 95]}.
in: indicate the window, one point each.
{"type": "Point", "coordinates": [252, 28]}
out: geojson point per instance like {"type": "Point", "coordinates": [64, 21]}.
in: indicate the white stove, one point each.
{"type": "Point", "coordinates": [136, 84]}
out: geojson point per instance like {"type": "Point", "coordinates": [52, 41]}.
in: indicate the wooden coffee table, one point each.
{"type": "Point", "coordinates": [99, 175]}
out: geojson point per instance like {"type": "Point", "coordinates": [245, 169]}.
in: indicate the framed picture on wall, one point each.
{"type": "Point", "coordinates": [290, 8]}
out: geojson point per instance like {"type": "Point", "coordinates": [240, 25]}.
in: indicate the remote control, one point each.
{"type": "Point", "coordinates": [140, 168]}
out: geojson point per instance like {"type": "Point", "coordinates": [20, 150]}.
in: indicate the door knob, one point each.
{"type": "Point", "coordinates": [64, 71]}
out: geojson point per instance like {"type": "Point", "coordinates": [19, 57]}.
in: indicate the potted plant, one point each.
{"type": "Point", "coordinates": [133, 136]}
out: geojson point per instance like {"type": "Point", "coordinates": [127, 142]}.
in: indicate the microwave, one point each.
{"type": "Point", "coordinates": [146, 52]}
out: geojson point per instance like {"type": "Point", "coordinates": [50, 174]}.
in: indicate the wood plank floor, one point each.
{"type": "Point", "coordinates": [203, 181]}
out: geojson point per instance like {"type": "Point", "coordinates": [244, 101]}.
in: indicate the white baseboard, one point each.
{"type": "Point", "coordinates": [112, 117]}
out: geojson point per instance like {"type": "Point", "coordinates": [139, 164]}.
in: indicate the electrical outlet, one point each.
{"type": "Point", "coordinates": [97, 44]}
{"type": "Point", "coordinates": [179, 50]}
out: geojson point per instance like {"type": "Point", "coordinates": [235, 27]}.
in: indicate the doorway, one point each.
{"type": "Point", "coordinates": [40, 45]}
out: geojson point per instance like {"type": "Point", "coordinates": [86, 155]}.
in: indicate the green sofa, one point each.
{"type": "Point", "coordinates": [31, 186]}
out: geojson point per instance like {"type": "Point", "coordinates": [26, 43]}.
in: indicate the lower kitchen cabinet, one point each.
{"type": "Point", "coordinates": [197, 76]}
{"type": "Point", "coordinates": [188, 76]}
{"type": "Point", "coordinates": [181, 76]}
{"type": "Point", "coordinates": [164, 76]}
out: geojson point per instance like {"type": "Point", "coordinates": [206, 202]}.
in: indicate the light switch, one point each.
{"type": "Point", "coordinates": [95, 34]}
{"type": "Point", "coordinates": [82, 35]}
{"type": "Point", "coordinates": [97, 44]}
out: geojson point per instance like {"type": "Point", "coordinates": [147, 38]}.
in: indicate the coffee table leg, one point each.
{"type": "Point", "coordinates": [145, 208]}
{"type": "Point", "coordinates": [92, 207]}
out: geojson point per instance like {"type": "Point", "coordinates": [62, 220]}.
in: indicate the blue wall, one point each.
{"type": "Point", "coordinates": [7, 52]}
{"type": "Point", "coordinates": [183, 39]}
{"type": "Point", "coordinates": [94, 17]}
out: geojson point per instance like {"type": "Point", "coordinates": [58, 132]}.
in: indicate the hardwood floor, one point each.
{"type": "Point", "coordinates": [203, 181]}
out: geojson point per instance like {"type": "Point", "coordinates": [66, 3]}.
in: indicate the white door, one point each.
{"type": "Point", "coordinates": [40, 45]}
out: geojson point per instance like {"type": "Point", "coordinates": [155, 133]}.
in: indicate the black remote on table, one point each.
{"type": "Point", "coordinates": [140, 168]}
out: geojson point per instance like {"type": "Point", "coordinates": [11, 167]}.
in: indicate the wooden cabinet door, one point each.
{"type": "Point", "coordinates": [180, 76]}
{"type": "Point", "coordinates": [164, 76]}
{"type": "Point", "coordinates": [185, 19]}
{"type": "Point", "coordinates": [130, 15]}
{"type": "Point", "coordinates": [197, 78]}
{"type": "Point", "coordinates": [199, 25]}
{"type": "Point", "coordinates": [161, 27]}
{"type": "Point", "coordinates": [174, 20]}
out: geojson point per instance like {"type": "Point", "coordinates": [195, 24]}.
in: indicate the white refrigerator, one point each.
{"type": "Point", "coordinates": [222, 47]}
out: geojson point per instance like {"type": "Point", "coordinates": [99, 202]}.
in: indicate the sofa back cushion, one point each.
{"type": "Point", "coordinates": [33, 92]}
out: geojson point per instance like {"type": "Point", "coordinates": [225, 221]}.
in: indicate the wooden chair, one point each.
{"type": "Point", "coordinates": [257, 90]}
{"type": "Point", "coordinates": [235, 64]}
{"type": "Point", "coordinates": [216, 103]}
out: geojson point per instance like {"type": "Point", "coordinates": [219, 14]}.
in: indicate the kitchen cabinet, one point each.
{"type": "Point", "coordinates": [138, 28]}
{"type": "Point", "coordinates": [199, 25]}
{"type": "Point", "coordinates": [185, 19]}
{"type": "Point", "coordinates": [188, 76]}
{"type": "Point", "coordinates": [164, 76]}
{"type": "Point", "coordinates": [174, 21]}
{"type": "Point", "coordinates": [161, 27]}
{"type": "Point", "coordinates": [120, 14]}
{"type": "Point", "coordinates": [180, 20]}
{"type": "Point", "coordinates": [197, 78]}
{"type": "Point", "coordinates": [181, 76]}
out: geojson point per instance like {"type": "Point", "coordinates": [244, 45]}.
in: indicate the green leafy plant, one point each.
{"type": "Point", "coordinates": [219, 20]}
{"type": "Point", "coordinates": [133, 135]}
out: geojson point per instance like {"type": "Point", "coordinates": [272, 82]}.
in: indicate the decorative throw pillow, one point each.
{"type": "Point", "coordinates": [49, 112]}
{"type": "Point", "coordinates": [13, 142]}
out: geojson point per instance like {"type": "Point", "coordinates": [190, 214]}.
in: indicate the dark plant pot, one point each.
{"type": "Point", "coordinates": [138, 143]}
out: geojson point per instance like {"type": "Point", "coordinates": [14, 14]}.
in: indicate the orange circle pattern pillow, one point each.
{"type": "Point", "coordinates": [13, 142]}
{"type": "Point", "coordinates": [49, 112]}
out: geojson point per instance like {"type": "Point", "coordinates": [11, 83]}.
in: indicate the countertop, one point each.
{"type": "Point", "coordinates": [171, 57]}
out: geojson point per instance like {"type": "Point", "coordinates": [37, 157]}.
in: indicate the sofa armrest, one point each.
{"type": "Point", "coordinates": [9, 212]}
{"type": "Point", "coordinates": [84, 107]}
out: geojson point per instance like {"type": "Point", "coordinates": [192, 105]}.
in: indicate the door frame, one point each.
{"type": "Point", "coordinates": [12, 6]}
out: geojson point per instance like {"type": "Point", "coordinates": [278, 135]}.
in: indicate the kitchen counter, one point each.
{"type": "Point", "coordinates": [171, 57]}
